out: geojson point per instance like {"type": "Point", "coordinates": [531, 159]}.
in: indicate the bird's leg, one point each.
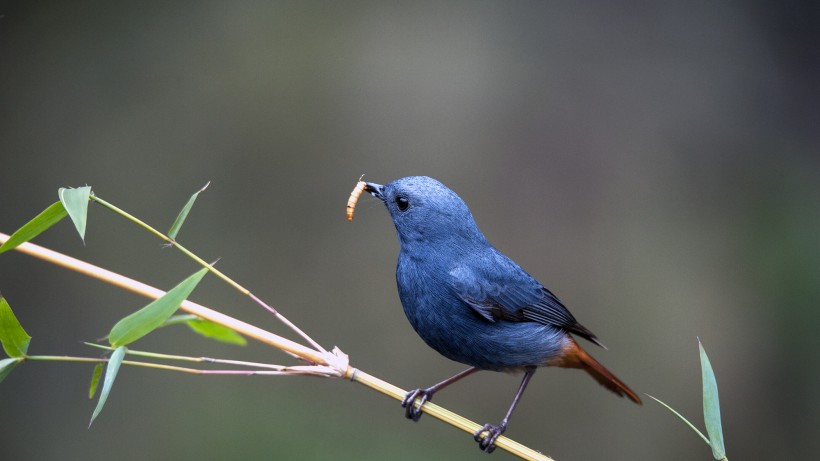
{"type": "Point", "coordinates": [493, 432]}
{"type": "Point", "coordinates": [412, 411]}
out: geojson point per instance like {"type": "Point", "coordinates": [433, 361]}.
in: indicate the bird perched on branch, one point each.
{"type": "Point", "coordinates": [474, 305]}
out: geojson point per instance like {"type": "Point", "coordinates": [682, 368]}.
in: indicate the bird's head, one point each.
{"type": "Point", "coordinates": [426, 212]}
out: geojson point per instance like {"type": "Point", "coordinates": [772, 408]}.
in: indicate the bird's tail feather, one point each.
{"type": "Point", "coordinates": [575, 357]}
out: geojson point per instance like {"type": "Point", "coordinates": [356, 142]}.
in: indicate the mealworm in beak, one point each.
{"type": "Point", "coordinates": [354, 197]}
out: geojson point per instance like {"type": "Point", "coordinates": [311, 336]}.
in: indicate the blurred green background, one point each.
{"type": "Point", "coordinates": [656, 165]}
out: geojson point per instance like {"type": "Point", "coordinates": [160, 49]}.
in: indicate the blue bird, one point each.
{"type": "Point", "coordinates": [474, 305]}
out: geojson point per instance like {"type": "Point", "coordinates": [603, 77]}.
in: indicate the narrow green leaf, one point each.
{"type": "Point", "coordinates": [75, 202]}
{"type": "Point", "coordinates": [145, 320]}
{"type": "Point", "coordinates": [711, 406]}
{"type": "Point", "coordinates": [95, 380]}
{"type": "Point", "coordinates": [217, 332]}
{"type": "Point", "coordinates": [49, 217]}
{"type": "Point", "coordinates": [110, 375]}
{"type": "Point", "coordinates": [6, 365]}
{"type": "Point", "coordinates": [14, 338]}
{"type": "Point", "coordinates": [682, 418]}
{"type": "Point", "coordinates": [177, 319]}
{"type": "Point", "coordinates": [184, 213]}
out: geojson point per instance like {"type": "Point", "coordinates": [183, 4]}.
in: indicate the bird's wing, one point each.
{"type": "Point", "coordinates": [505, 292]}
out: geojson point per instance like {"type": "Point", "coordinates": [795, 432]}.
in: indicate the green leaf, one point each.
{"type": "Point", "coordinates": [179, 318]}
{"type": "Point", "coordinates": [172, 234]}
{"type": "Point", "coordinates": [6, 365]}
{"type": "Point", "coordinates": [14, 338]}
{"type": "Point", "coordinates": [75, 202]}
{"type": "Point", "coordinates": [207, 328]}
{"type": "Point", "coordinates": [153, 315]}
{"type": "Point", "coordinates": [216, 331]}
{"type": "Point", "coordinates": [110, 375]}
{"type": "Point", "coordinates": [682, 418]}
{"type": "Point", "coordinates": [711, 406]}
{"type": "Point", "coordinates": [95, 380]}
{"type": "Point", "coordinates": [49, 217]}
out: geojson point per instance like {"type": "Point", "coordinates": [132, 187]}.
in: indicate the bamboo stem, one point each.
{"type": "Point", "coordinates": [132, 285]}
{"type": "Point", "coordinates": [448, 416]}
{"type": "Point", "coordinates": [337, 362]}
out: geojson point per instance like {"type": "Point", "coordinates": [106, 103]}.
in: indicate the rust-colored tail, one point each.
{"type": "Point", "coordinates": [575, 357]}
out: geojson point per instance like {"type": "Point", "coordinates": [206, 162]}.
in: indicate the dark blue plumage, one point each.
{"type": "Point", "coordinates": [470, 302]}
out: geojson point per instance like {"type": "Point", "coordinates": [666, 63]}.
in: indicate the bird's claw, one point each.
{"type": "Point", "coordinates": [487, 443]}
{"type": "Point", "coordinates": [410, 409]}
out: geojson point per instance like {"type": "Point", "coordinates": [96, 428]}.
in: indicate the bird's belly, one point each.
{"type": "Point", "coordinates": [465, 337]}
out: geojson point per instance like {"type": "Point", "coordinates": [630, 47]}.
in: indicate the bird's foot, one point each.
{"type": "Point", "coordinates": [487, 443]}
{"type": "Point", "coordinates": [410, 409]}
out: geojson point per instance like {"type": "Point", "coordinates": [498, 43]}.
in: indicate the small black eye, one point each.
{"type": "Point", "coordinates": [402, 203]}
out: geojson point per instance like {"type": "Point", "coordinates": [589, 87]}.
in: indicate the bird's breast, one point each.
{"type": "Point", "coordinates": [451, 327]}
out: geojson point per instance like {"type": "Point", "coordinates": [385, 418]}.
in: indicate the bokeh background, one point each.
{"type": "Point", "coordinates": [656, 165]}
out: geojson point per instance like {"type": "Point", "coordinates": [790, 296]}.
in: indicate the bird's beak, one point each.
{"type": "Point", "coordinates": [376, 190]}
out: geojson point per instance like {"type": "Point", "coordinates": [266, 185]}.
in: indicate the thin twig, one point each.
{"type": "Point", "coordinates": [283, 371]}
{"type": "Point", "coordinates": [185, 358]}
{"type": "Point", "coordinates": [210, 267]}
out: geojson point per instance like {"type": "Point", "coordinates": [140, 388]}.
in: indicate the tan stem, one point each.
{"type": "Point", "coordinates": [187, 306]}
{"type": "Point", "coordinates": [266, 337]}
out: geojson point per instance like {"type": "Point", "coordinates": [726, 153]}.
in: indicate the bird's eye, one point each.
{"type": "Point", "coordinates": [402, 203]}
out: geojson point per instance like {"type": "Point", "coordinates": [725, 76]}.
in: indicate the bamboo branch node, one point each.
{"type": "Point", "coordinates": [339, 362]}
